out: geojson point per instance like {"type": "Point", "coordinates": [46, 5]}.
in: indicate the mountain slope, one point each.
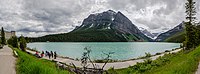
{"type": "Point", "coordinates": [178, 37]}
{"type": "Point", "coordinates": [101, 27]}
{"type": "Point", "coordinates": [171, 34]}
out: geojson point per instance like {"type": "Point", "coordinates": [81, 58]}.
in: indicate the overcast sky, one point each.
{"type": "Point", "coordinates": [42, 17]}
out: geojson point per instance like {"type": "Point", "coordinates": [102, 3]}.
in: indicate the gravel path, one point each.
{"type": "Point", "coordinates": [116, 65]}
{"type": "Point", "coordinates": [198, 69]}
{"type": "Point", "coordinates": [7, 61]}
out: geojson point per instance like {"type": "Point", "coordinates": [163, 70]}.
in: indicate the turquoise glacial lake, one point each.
{"type": "Point", "coordinates": [122, 50]}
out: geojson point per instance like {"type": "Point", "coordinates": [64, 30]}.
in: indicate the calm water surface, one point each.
{"type": "Point", "coordinates": [122, 50]}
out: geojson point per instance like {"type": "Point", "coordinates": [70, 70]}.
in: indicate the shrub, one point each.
{"type": "Point", "coordinates": [148, 54]}
{"type": "Point", "coordinates": [167, 51]}
{"type": "Point", "coordinates": [158, 53]}
{"type": "Point", "coordinates": [22, 43]}
{"type": "Point", "coordinates": [13, 41]}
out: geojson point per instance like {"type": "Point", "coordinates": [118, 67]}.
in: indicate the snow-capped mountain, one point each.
{"type": "Point", "coordinates": [149, 34]}
{"type": "Point", "coordinates": [115, 21]}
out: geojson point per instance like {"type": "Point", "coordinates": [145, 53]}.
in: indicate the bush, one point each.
{"type": "Point", "coordinates": [13, 41]}
{"type": "Point", "coordinates": [148, 64]}
{"type": "Point", "coordinates": [158, 53]}
{"type": "Point", "coordinates": [148, 54]}
{"type": "Point", "coordinates": [99, 61]}
{"type": "Point", "coordinates": [22, 43]}
{"type": "Point", "coordinates": [167, 51]}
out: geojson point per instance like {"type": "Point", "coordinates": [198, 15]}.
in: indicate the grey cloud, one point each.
{"type": "Point", "coordinates": [118, 4]}
{"type": "Point", "coordinates": [150, 25]}
{"type": "Point", "coordinates": [165, 13]}
{"type": "Point", "coordinates": [41, 17]}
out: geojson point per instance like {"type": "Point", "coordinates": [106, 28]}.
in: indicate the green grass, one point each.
{"type": "Point", "coordinates": [185, 62]}
{"type": "Point", "coordinates": [28, 64]}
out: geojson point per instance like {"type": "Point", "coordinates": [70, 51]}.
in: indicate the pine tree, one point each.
{"type": "Point", "coordinates": [190, 11]}
{"type": "Point", "coordinates": [3, 40]}
{"type": "Point", "coordinates": [191, 36]}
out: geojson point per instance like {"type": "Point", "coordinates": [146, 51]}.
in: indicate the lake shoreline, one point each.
{"type": "Point", "coordinates": [112, 60]}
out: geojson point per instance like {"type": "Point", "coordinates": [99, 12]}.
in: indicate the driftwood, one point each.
{"type": "Point", "coordinates": [86, 58]}
{"type": "Point", "coordinates": [77, 70]}
{"type": "Point", "coordinates": [84, 61]}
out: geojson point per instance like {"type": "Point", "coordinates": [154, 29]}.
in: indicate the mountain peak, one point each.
{"type": "Point", "coordinates": [116, 22]}
{"type": "Point", "coordinates": [111, 11]}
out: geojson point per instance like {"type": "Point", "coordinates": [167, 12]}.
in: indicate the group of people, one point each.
{"type": "Point", "coordinates": [51, 54]}
{"type": "Point", "coordinates": [47, 54]}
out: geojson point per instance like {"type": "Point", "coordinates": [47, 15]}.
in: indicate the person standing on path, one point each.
{"type": "Point", "coordinates": [42, 54]}
{"type": "Point", "coordinates": [52, 54]}
{"type": "Point", "coordinates": [46, 54]}
{"type": "Point", "coordinates": [49, 54]}
{"type": "Point", "coordinates": [55, 55]}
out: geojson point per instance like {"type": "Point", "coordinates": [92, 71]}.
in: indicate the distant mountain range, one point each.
{"type": "Point", "coordinates": [107, 26]}
{"type": "Point", "coordinates": [149, 34]}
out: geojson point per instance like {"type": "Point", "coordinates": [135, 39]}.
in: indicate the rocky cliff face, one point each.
{"type": "Point", "coordinates": [115, 21]}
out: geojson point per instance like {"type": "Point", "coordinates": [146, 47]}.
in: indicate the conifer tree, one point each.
{"type": "Point", "coordinates": [191, 34]}
{"type": "Point", "coordinates": [3, 40]}
{"type": "Point", "coordinates": [190, 11]}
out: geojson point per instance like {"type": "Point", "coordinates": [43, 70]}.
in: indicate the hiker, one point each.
{"type": "Point", "coordinates": [42, 54]}
{"type": "Point", "coordinates": [37, 54]}
{"type": "Point", "coordinates": [46, 54]}
{"type": "Point", "coordinates": [55, 55]}
{"type": "Point", "coordinates": [51, 54]}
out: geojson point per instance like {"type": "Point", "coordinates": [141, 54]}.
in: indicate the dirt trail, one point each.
{"type": "Point", "coordinates": [198, 70]}
{"type": "Point", "coordinates": [7, 61]}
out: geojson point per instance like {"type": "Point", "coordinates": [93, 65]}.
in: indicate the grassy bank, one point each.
{"type": "Point", "coordinates": [28, 64]}
{"type": "Point", "coordinates": [184, 62]}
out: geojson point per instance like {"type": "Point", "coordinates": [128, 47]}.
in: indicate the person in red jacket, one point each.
{"type": "Point", "coordinates": [42, 54]}
{"type": "Point", "coordinates": [37, 54]}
